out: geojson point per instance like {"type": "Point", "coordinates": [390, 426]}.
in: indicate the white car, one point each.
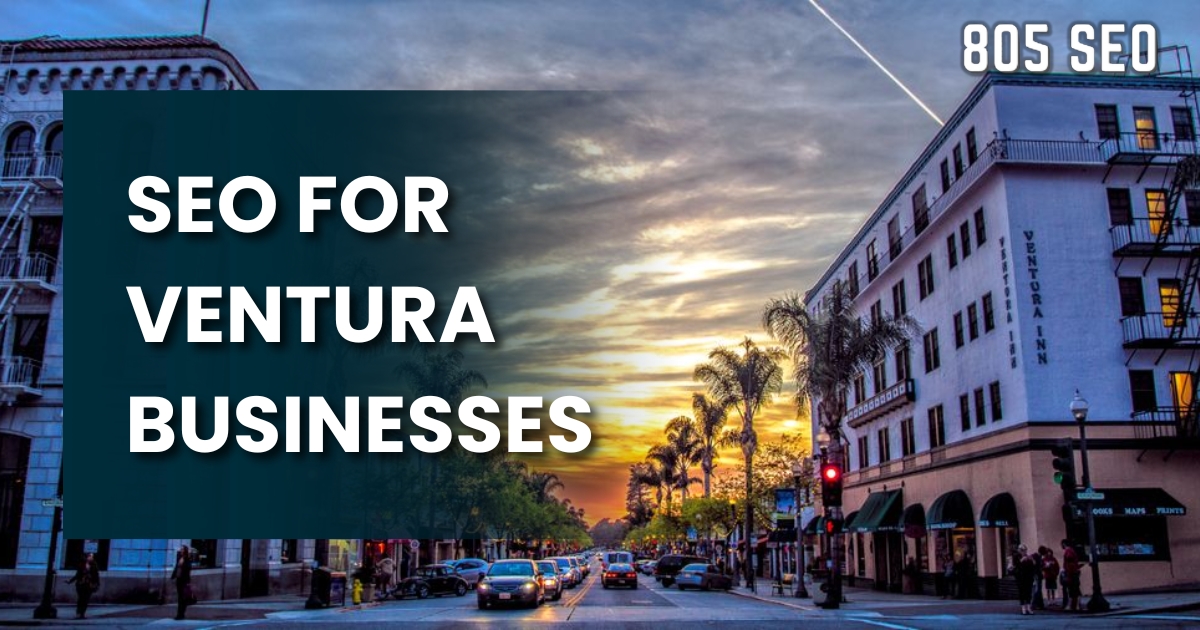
{"type": "Point", "coordinates": [470, 569]}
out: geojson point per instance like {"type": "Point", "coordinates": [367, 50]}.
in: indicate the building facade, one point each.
{"type": "Point", "coordinates": [1045, 241]}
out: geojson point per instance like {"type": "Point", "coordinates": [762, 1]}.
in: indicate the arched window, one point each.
{"type": "Point", "coordinates": [18, 152]}
{"type": "Point", "coordinates": [52, 161]}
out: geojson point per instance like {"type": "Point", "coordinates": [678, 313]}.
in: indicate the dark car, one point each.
{"type": "Point", "coordinates": [433, 579]}
{"type": "Point", "coordinates": [511, 582]}
{"type": "Point", "coordinates": [670, 565]}
{"type": "Point", "coordinates": [619, 574]}
{"type": "Point", "coordinates": [702, 576]}
{"type": "Point", "coordinates": [551, 581]}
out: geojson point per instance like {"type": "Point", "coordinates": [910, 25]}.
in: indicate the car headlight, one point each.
{"type": "Point", "coordinates": [529, 587]}
{"type": "Point", "coordinates": [551, 581]}
{"type": "Point", "coordinates": [483, 586]}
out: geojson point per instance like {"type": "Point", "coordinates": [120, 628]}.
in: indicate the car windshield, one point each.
{"type": "Point", "coordinates": [698, 568]}
{"type": "Point", "coordinates": [547, 567]}
{"type": "Point", "coordinates": [501, 569]}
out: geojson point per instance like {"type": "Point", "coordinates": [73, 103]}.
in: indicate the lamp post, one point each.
{"type": "Point", "coordinates": [732, 547]}
{"type": "Point", "coordinates": [1079, 409]}
{"type": "Point", "coordinates": [798, 479]}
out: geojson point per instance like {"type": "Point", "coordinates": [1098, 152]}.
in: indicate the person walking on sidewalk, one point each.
{"type": "Point", "coordinates": [1038, 603]}
{"type": "Point", "coordinates": [86, 581]}
{"type": "Point", "coordinates": [947, 576]}
{"type": "Point", "coordinates": [1025, 569]}
{"type": "Point", "coordinates": [182, 576]}
{"type": "Point", "coordinates": [1071, 568]}
{"type": "Point", "coordinates": [1050, 571]}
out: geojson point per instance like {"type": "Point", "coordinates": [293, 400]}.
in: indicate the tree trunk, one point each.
{"type": "Point", "coordinates": [749, 533]}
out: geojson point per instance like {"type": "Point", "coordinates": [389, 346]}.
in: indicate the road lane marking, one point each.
{"type": "Point", "coordinates": [883, 624]}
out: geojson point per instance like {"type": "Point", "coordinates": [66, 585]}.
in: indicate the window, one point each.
{"type": "Point", "coordinates": [925, 276]}
{"type": "Point", "coordinates": [945, 176]}
{"type": "Point", "coordinates": [952, 250]}
{"type": "Point", "coordinates": [1156, 209]}
{"type": "Point", "coordinates": [77, 549]}
{"type": "Point", "coordinates": [885, 445]}
{"type": "Point", "coordinates": [1191, 198]}
{"type": "Point", "coordinates": [933, 358]}
{"type": "Point", "coordinates": [1181, 120]}
{"type": "Point", "coordinates": [14, 466]}
{"type": "Point", "coordinates": [1183, 391]}
{"type": "Point", "coordinates": [980, 228]}
{"type": "Point", "coordinates": [997, 407]}
{"type": "Point", "coordinates": [958, 161]}
{"type": "Point", "coordinates": [876, 312]}
{"type": "Point", "coordinates": [899, 299]}
{"type": "Point", "coordinates": [204, 553]}
{"type": "Point", "coordinates": [1132, 539]}
{"type": "Point", "coordinates": [1132, 301]}
{"type": "Point", "coordinates": [908, 438]}
{"type": "Point", "coordinates": [879, 376]}
{"type": "Point", "coordinates": [872, 262]}
{"type": "Point", "coordinates": [959, 339]}
{"type": "Point", "coordinates": [895, 245]}
{"type": "Point", "coordinates": [864, 453]}
{"type": "Point", "coordinates": [860, 388]}
{"type": "Point", "coordinates": [18, 152]}
{"type": "Point", "coordinates": [980, 409]}
{"type": "Point", "coordinates": [289, 550]}
{"type": "Point", "coordinates": [852, 280]}
{"type": "Point", "coordinates": [972, 146]}
{"type": "Point", "coordinates": [52, 160]}
{"type": "Point", "coordinates": [903, 363]}
{"type": "Point", "coordinates": [972, 321]}
{"type": "Point", "coordinates": [937, 427]}
{"type": "Point", "coordinates": [920, 206]}
{"type": "Point", "coordinates": [1106, 122]}
{"type": "Point", "coordinates": [1141, 390]}
{"type": "Point", "coordinates": [1120, 208]}
{"type": "Point", "coordinates": [1147, 128]}
{"type": "Point", "coordinates": [964, 235]}
{"type": "Point", "coordinates": [989, 313]}
{"type": "Point", "coordinates": [1168, 295]}
{"type": "Point", "coordinates": [964, 410]}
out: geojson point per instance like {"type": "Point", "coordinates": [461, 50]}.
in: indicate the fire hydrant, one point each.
{"type": "Point", "coordinates": [356, 592]}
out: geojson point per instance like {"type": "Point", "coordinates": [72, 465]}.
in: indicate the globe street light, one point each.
{"type": "Point", "coordinates": [1079, 409]}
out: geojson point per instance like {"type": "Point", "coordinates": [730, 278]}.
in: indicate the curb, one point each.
{"type": "Point", "coordinates": [1146, 611]}
{"type": "Point", "coordinates": [778, 602]}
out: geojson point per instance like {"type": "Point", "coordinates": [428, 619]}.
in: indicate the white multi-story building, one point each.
{"type": "Point", "coordinates": [1044, 244]}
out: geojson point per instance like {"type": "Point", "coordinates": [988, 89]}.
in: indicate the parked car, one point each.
{"type": "Point", "coordinates": [702, 576]}
{"type": "Point", "coordinates": [511, 582]}
{"type": "Point", "coordinates": [670, 565]}
{"type": "Point", "coordinates": [578, 566]}
{"type": "Point", "coordinates": [433, 579]}
{"type": "Point", "coordinates": [551, 581]}
{"type": "Point", "coordinates": [471, 569]}
{"type": "Point", "coordinates": [584, 564]}
{"type": "Point", "coordinates": [619, 574]}
{"type": "Point", "coordinates": [572, 576]}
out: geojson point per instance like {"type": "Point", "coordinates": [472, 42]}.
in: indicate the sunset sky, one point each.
{"type": "Point", "coordinates": [765, 141]}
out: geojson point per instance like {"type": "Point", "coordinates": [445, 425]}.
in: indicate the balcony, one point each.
{"type": "Point", "coordinates": [1161, 330]}
{"type": "Point", "coordinates": [35, 270]}
{"type": "Point", "coordinates": [1165, 423]}
{"type": "Point", "coordinates": [1145, 148]}
{"type": "Point", "coordinates": [898, 395]}
{"type": "Point", "coordinates": [1146, 237]}
{"type": "Point", "coordinates": [44, 169]}
{"type": "Point", "coordinates": [18, 376]}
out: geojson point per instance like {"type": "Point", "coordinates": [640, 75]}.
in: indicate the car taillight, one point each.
{"type": "Point", "coordinates": [630, 575]}
{"type": "Point", "coordinates": [610, 574]}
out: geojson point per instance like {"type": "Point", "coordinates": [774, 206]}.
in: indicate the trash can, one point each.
{"type": "Point", "coordinates": [337, 588]}
{"type": "Point", "coordinates": [319, 597]}
{"type": "Point", "coordinates": [819, 587]}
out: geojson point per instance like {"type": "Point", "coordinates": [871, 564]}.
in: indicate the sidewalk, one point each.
{"type": "Point", "coordinates": [867, 600]}
{"type": "Point", "coordinates": [131, 614]}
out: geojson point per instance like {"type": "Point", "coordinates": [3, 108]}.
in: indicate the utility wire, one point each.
{"type": "Point", "coordinates": [877, 63]}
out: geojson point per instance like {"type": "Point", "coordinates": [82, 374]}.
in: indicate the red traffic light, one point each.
{"type": "Point", "coordinates": [830, 473]}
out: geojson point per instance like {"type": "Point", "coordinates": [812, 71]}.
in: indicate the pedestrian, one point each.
{"type": "Point", "coordinates": [1038, 602]}
{"type": "Point", "coordinates": [383, 574]}
{"type": "Point", "coordinates": [948, 578]}
{"type": "Point", "coordinates": [1071, 568]}
{"type": "Point", "coordinates": [86, 581]}
{"type": "Point", "coordinates": [182, 576]}
{"type": "Point", "coordinates": [960, 575]}
{"type": "Point", "coordinates": [1025, 569]}
{"type": "Point", "coordinates": [1050, 571]}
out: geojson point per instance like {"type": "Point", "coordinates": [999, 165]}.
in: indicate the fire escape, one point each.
{"type": "Point", "coordinates": [1166, 234]}
{"type": "Point", "coordinates": [25, 178]}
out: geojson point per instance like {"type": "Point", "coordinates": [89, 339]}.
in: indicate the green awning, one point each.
{"type": "Point", "coordinates": [951, 511]}
{"type": "Point", "coordinates": [848, 522]}
{"type": "Point", "coordinates": [913, 521]}
{"type": "Point", "coordinates": [880, 512]}
{"type": "Point", "coordinates": [999, 511]}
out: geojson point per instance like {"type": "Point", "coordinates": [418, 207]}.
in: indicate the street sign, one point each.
{"type": "Point", "coordinates": [414, 544]}
{"type": "Point", "coordinates": [1089, 495]}
{"type": "Point", "coordinates": [52, 503]}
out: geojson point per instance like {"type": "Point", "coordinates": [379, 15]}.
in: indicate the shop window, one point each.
{"type": "Point", "coordinates": [14, 466]}
{"type": "Point", "coordinates": [937, 427]}
{"type": "Point", "coordinates": [1147, 128]}
{"type": "Point", "coordinates": [204, 553]}
{"type": "Point", "coordinates": [1107, 125]}
{"type": "Point", "coordinates": [77, 549]}
{"type": "Point", "coordinates": [1185, 127]}
{"type": "Point", "coordinates": [1142, 390]}
{"type": "Point", "coordinates": [1132, 539]}
{"type": "Point", "coordinates": [1132, 301]}
{"type": "Point", "coordinates": [1120, 208]}
{"type": "Point", "coordinates": [289, 550]}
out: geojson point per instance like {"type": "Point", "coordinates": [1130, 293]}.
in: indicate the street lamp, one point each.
{"type": "Point", "coordinates": [1079, 409]}
{"type": "Point", "coordinates": [798, 478]}
{"type": "Point", "coordinates": [733, 520]}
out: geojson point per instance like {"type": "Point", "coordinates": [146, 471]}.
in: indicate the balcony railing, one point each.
{"type": "Point", "coordinates": [894, 397]}
{"type": "Point", "coordinates": [1165, 423]}
{"type": "Point", "coordinates": [36, 268]}
{"type": "Point", "coordinates": [1161, 330]}
{"type": "Point", "coordinates": [1155, 236]}
{"type": "Point", "coordinates": [19, 374]}
{"type": "Point", "coordinates": [32, 166]}
{"type": "Point", "coordinates": [1146, 147]}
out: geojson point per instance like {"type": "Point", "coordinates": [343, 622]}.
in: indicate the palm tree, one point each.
{"type": "Point", "coordinates": [543, 485]}
{"type": "Point", "coordinates": [710, 419]}
{"type": "Point", "coordinates": [829, 347]}
{"type": "Point", "coordinates": [642, 476]}
{"type": "Point", "coordinates": [665, 457]}
{"type": "Point", "coordinates": [683, 436]}
{"type": "Point", "coordinates": [745, 382]}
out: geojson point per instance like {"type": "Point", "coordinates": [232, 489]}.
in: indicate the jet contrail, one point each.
{"type": "Point", "coordinates": [877, 63]}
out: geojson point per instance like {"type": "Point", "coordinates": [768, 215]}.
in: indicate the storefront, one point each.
{"type": "Point", "coordinates": [952, 521]}
{"type": "Point", "coordinates": [1000, 534]}
{"type": "Point", "coordinates": [1131, 524]}
{"type": "Point", "coordinates": [881, 518]}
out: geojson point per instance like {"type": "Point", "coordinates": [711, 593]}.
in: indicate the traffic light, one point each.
{"type": "Point", "coordinates": [1064, 465]}
{"type": "Point", "coordinates": [833, 526]}
{"type": "Point", "coordinates": [831, 485]}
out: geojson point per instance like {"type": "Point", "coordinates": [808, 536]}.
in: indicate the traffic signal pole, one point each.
{"type": "Point", "coordinates": [1097, 603]}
